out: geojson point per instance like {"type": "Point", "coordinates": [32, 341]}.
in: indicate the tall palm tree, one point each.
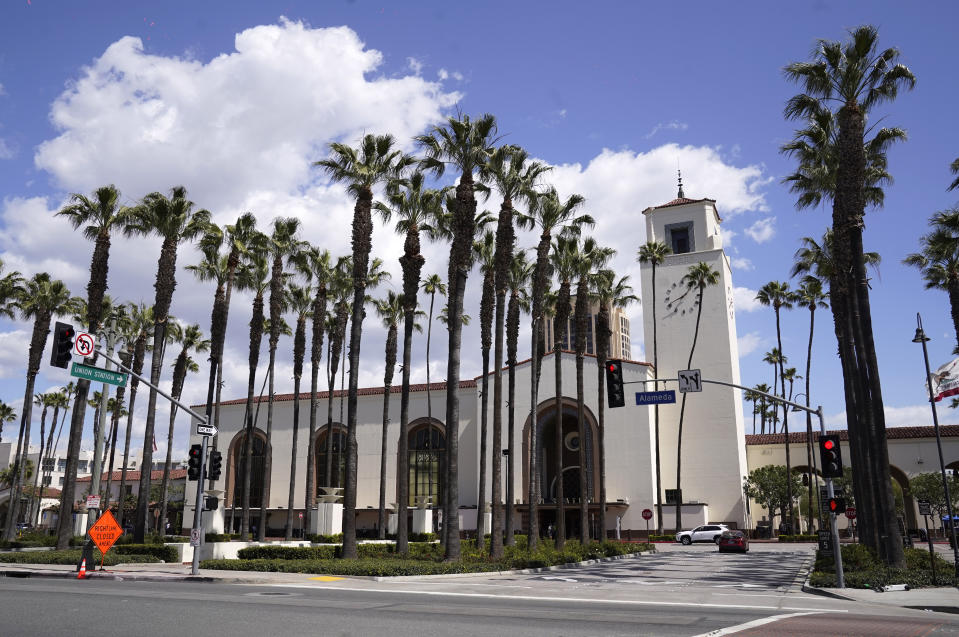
{"type": "Point", "coordinates": [697, 278]}
{"type": "Point", "coordinates": [551, 216]}
{"type": "Point", "coordinates": [283, 244]}
{"type": "Point", "coordinates": [591, 258]}
{"type": "Point", "coordinates": [314, 264]}
{"type": "Point", "coordinates": [175, 220]}
{"type": "Point", "coordinates": [7, 414]}
{"type": "Point", "coordinates": [517, 281]}
{"type": "Point", "coordinates": [776, 294]}
{"type": "Point", "coordinates": [811, 296]}
{"type": "Point", "coordinates": [416, 209]}
{"type": "Point", "coordinates": [654, 253]}
{"type": "Point", "coordinates": [58, 400]}
{"type": "Point", "coordinates": [300, 300]}
{"type": "Point", "coordinates": [609, 293]}
{"type": "Point", "coordinates": [954, 168]}
{"type": "Point", "coordinates": [509, 170]}
{"type": "Point", "coordinates": [432, 285]}
{"type": "Point", "coordinates": [775, 358]}
{"type": "Point", "coordinates": [375, 161]}
{"type": "Point", "coordinates": [45, 402]}
{"type": "Point", "coordinates": [857, 77]}
{"type": "Point", "coordinates": [99, 215]}
{"type": "Point", "coordinates": [464, 143]}
{"type": "Point", "coordinates": [340, 286]}
{"type": "Point", "coordinates": [564, 260]}
{"type": "Point", "coordinates": [257, 270]}
{"type": "Point", "coordinates": [483, 253]}
{"type": "Point", "coordinates": [10, 287]}
{"type": "Point", "coordinates": [938, 260]}
{"type": "Point", "coordinates": [137, 337]}
{"type": "Point", "coordinates": [190, 339]}
{"type": "Point", "coordinates": [41, 299]}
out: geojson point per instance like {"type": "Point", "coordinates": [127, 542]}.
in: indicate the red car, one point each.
{"type": "Point", "coordinates": [731, 541]}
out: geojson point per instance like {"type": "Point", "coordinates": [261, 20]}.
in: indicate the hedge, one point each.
{"type": "Point", "coordinates": [72, 556]}
{"type": "Point", "coordinates": [799, 538]}
{"type": "Point", "coordinates": [862, 569]}
{"type": "Point", "coordinates": [363, 566]}
{"type": "Point", "coordinates": [159, 551]}
{"type": "Point", "coordinates": [326, 539]}
{"type": "Point", "coordinates": [328, 552]}
{"type": "Point", "coordinates": [662, 538]}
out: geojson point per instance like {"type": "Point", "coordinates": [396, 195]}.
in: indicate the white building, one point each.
{"type": "Point", "coordinates": [713, 462]}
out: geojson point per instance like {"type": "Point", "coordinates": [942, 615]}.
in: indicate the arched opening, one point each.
{"type": "Point", "coordinates": [336, 458]}
{"type": "Point", "coordinates": [236, 468]}
{"type": "Point", "coordinates": [903, 497]}
{"type": "Point", "coordinates": [427, 461]}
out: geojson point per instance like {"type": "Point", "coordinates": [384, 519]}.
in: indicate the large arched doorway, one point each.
{"type": "Point", "coordinates": [908, 505]}
{"type": "Point", "coordinates": [335, 457]}
{"type": "Point", "coordinates": [427, 461]}
{"type": "Point", "coordinates": [236, 469]}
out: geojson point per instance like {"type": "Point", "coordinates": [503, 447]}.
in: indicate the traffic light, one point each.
{"type": "Point", "coordinates": [62, 345]}
{"type": "Point", "coordinates": [614, 384]}
{"type": "Point", "coordinates": [830, 456]}
{"type": "Point", "coordinates": [196, 459]}
{"type": "Point", "coordinates": [836, 505]}
{"type": "Point", "coordinates": [211, 503]}
{"type": "Point", "coordinates": [216, 461]}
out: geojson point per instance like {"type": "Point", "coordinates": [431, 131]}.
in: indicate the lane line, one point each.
{"type": "Point", "coordinates": [554, 599]}
{"type": "Point", "coordinates": [751, 624]}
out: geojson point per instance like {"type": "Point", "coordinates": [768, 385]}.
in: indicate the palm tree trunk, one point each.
{"type": "Point", "coordinates": [387, 382]}
{"type": "Point", "coordinates": [782, 379]}
{"type": "Point", "coordinates": [533, 532]}
{"type": "Point", "coordinates": [34, 508]}
{"type": "Point", "coordinates": [496, 533]}
{"type": "Point", "coordinates": [602, 347]}
{"type": "Point", "coordinates": [256, 338]}
{"type": "Point", "coordinates": [809, 458]}
{"type": "Point", "coordinates": [167, 466]}
{"type": "Point", "coordinates": [316, 353]}
{"type": "Point", "coordinates": [115, 429]}
{"type": "Point", "coordinates": [582, 320]}
{"type": "Point", "coordinates": [486, 320]}
{"type": "Point", "coordinates": [402, 448]}
{"type": "Point", "coordinates": [267, 464]}
{"type": "Point", "coordinates": [560, 322]}
{"type": "Point", "coordinates": [659, 479]}
{"type": "Point", "coordinates": [682, 412]}
{"type": "Point", "coordinates": [441, 505]}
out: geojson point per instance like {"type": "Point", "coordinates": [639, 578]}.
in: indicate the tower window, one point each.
{"type": "Point", "coordinates": [680, 237]}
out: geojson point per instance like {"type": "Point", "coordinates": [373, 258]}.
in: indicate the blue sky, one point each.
{"type": "Point", "coordinates": [615, 95]}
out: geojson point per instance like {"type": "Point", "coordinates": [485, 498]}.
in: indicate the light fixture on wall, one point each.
{"type": "Point", "coordinates": [919, 460]}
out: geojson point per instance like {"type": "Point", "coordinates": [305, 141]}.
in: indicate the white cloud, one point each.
{"type": "Point", "coordinates": [741, 263]}
{"type": "Point", "coordinates": [749, 343]}
{"type": "Point", "coordinates": [672, 125]}
{"type": "Point", "coordinates": [763, 230]}
{"type": "Point", "coordinates": [13, 355]}
{"type": "Point", "coordinates": [443, 74]}
{"type": "Point", "coordinates": [247, 120]}
{"type": "Point", "coordinates": [907, 416]}
{"type": "Point", "coordinates": [6, 150]}
{"type": "Point", "coordinates": [414, 65]}
{"type": "Point", "coordinates": [745, 300]}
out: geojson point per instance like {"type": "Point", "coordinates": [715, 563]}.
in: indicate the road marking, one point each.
{"type": "Point", "coordinates": [562, 579]}
{"type": "Point", "coordinates": [536, 598]}
{"type": "Point", "coordinates": [753, 624]}
{"type": "Point", "coordinates": [327, 578]}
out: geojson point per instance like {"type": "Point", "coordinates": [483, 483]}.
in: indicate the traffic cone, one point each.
{"type": "Point", "coordinates": [83, 569]}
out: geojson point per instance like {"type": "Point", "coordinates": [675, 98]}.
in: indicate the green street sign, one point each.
{"type": "Point", "coordinates": [98, 375]}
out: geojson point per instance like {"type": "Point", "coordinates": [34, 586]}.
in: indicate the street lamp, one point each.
{"type": "Point", "coordinates": [923, 339]}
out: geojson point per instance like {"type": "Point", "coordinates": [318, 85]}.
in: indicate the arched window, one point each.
{"type": "Point", "coordinates": [338, 475]}
{"type": "Point", "coordinates": [257, 468]}
{"type": "Point", "coordinates": [427, 463]}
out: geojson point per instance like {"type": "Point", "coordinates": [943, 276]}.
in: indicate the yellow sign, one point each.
{"type": "Point", "coordinates": [105, 532]}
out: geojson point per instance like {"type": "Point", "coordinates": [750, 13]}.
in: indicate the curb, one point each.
{"type": "Point", "coordinates": [812, 590]}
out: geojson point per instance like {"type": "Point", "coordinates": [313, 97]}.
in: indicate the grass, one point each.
{"type": "Point", "coordinates": [862, 569]}
{"type": "Point", "coordinates": [423, 559]}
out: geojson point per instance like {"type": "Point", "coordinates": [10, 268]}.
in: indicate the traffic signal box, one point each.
{"type": "Point", "coordinates": [830, 456]}
{"type": "Point", "coordinates": [196, 458]}
{"type": "Point", "coordinates": [836, 505]}
{"type": "Point", "coordinates": [216, 463]}
{"type": "Point", "coordinates": [63, 335]}
{"type": "Point", "coordinates": [615, 394]}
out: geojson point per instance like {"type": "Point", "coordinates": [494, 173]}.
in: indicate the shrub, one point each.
{"type": "Point", "coordinates": [662, 538]}
{"type": "Point", "coordinates": [799, 538]}
{"type": "Point", "coordinates": [326, 539]}
{"type": "Point", "coordinates": [72, 556]}
{"type": "Point", "coordinates": [220, 537]}
{"type": "Point", "coordinates": [159, 551]}
{"type": "Point", "coordinates": [423, 537]}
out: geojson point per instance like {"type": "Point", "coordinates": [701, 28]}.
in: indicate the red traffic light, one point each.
{"type": "Point", "coordinates": [828, 444]}
{"type": "Point", "coordinates": [612, 367]}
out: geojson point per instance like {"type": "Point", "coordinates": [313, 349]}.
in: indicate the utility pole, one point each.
{"type": "Point", "coordinates": [93, 513]}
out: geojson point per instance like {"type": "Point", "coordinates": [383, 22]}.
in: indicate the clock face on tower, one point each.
{"type": "Point", "coordinates": [680, 300]}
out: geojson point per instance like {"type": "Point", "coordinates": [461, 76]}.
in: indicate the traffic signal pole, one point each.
{"type": "Point", "coordinates": [198, 512]}
{"type": "Point", "coordinates": [840, 578]}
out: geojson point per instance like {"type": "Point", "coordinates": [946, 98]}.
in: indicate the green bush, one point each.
{"type": "Point", "coordinates": [799, 538]}
{"type": "Point", "coordinates": [159, 551]}
{"type": "Point", "coordinates": [220, 537]}
{"type": "Point", "coordinates": [423, 537]}
{"type": "Point", "coordinates": [662, 538]}
{"type": "Point", "coordinates": [289, 552]}
{"type": "Point", "coordinates": [862, 569]}
{"type": "Point", "coordinates": [326, 539]}
{"type": "Point", "coordinates": [72, 556]}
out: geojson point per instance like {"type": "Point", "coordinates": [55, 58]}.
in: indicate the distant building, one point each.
{"type": "Point", "coordinates": [619, 343]}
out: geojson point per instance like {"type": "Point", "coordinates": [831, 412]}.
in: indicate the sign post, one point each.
{"type": "Point", "coordinates": [925, 510]}
{"type": "Point", "coordinates": [647, 515]}
{"type": "Point", "coordinates": [104, 532]}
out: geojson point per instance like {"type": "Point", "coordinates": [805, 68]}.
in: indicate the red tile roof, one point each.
{"type": "Point", "coordinates": [133, 476]}
{"type": "Point", "coordinates": [892, 433]}
{"type": "Point", "coordinates": [363, 391]}
{"type": "Point", "coordinates": [680, 201]}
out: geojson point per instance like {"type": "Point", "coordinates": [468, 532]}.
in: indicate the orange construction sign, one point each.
{"type": "Point", "coordinates": [105, 532]}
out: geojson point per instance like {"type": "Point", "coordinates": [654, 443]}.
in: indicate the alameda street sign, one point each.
{"type": "Point", "coordinates": [655, 397]}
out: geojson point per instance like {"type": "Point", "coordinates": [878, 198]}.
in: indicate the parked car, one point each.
{"type": "Point", "coordinates": [705, 533]}
{"type": "Point", "coordinates": [733, 541]}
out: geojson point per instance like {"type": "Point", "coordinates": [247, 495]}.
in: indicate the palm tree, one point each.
{"type": "Point", "coordinates": [483, 252]}
{"type": "Point", "coordinates": [374, 162]}
{"type": "Point", "coordinates": [300, 301]}
{"type": "Point", "coordinates": [431, 285]}
{"type": "Point", "coordinates": [518, 277]}
{"type": "Point", "coordinates": [98, 215]}
{"type": "Point", "coordinates": [954, 168]}
{"type": "Point", "coordinates": [551, 216]}
{"type": "Point", "coordinates": [775, 358]}
{"type": "Point", "coordinates": [10, 287]}
{"type": "Point", "coordinates": [609, 293]}
{"type": "Point", "coordinates": [283, 244]}
{"type": "Point", "coordinates": [45, 402]}
{"type": "Point", "coordinates": [776, 294]}
{"type": "Point", "coordinates": [313, 263]}
{"type": "Point", "coordinates": [509, 170]}
{"type": "Point", "coordinates": [698, 278]}
{"type": "Point", "coordinates": [417, 209]}
{"type": "Point", "coordinates": [858, 77]}
{"type": "Point", "coordinates": [340, 290]}
{"type": "Point", "coordinates": [257, 271]}
{"type": "Point", "coordinates": [41, 299]}
{"type": "Point", "coordinates": [591, 258]}
{"type": "Point", "coordinates": [654, 253]}
{"type": "Point", "coordinates": [938, 260]}
{"type": "Point", "coordinates": [138, 332]}
{"type": "Point", "coordinates": [7, 414]}
{"type": "Point", "coordinates": [811, 296]}
{"type": "Point", "coordinates": [190, 339]}
{"type": "Point", "coordinates": [175, 220]}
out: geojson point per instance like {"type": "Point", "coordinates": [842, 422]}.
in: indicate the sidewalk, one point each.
{"type": "Point", "coordinates": [941, 599]}
{"type": "Point", "coordinates": [152, 572]}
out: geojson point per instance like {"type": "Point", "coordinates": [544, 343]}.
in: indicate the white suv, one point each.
{"type": "Point", "coordinates": [705, 533]}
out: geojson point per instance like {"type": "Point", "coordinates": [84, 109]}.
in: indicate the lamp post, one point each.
{"type": "Point", "coordinates": [923, 339]}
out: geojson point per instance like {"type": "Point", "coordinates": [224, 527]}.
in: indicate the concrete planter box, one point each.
{"type": "Point", "coordinates": [225, 550]}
